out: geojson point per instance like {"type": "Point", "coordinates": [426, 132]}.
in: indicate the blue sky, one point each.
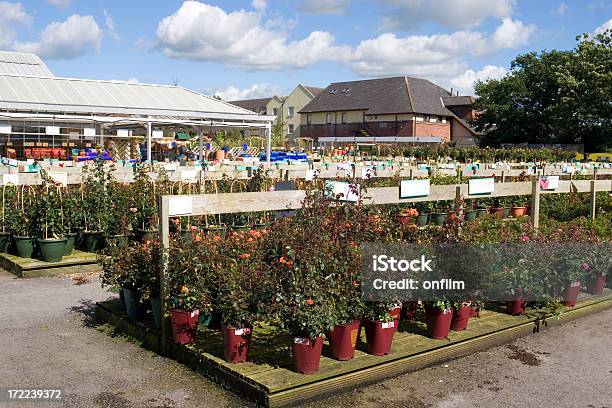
{"type": "Point", "coordinates": [254, 48]}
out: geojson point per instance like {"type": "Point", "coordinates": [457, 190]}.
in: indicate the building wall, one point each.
{"type": "Point", "coordinates": [462, 136]}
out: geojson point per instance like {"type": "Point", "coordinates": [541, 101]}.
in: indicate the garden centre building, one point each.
{"type": "Point", "coordinates": [42, 115]}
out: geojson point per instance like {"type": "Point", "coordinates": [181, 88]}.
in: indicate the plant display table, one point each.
{"type": "Point", "coordinates": [78, 261]}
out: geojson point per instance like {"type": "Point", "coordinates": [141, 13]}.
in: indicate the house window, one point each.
{"type": "Point", "coordinates": [433, 119]}
{"type": "Point", "coordinates": [290, 131]}
{"type": "Point", "coordinates": [443, 119]}
{"type": "Point", "coordinates": [328, 118]}
{"type": "Point", "coordinates": [344, 117]}
{"type": "Point", "coordinates": [309, 119]}
{"type": "Point", "coordinates": [290, 111]}
{"type": "Point", "coordinates": [275, 111]}
{"type": "Point", "coordinates": [419, 118]}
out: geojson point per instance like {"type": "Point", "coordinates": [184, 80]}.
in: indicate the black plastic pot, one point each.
{"type": "Point", "coordinates": [70, 243]}
{"type": "Point", "coordinates": [5, 242]}
{"type": "Point", "coordinates": [93, 241]}
{"type": "Point", "coordinates": [52, 250]}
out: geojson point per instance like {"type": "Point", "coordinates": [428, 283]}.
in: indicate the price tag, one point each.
{"type": "Point", "coordinates": [388, 325]}
{"type": "Point", "coordinates": [481, 186]}
{"type": "Point", "coordinates": [301, 340]}
{"type": "Point", "coordinates": [549, 183]}
{"type": "Point", "coordinates": [310, 175]}
{"type": "Point", "coordinates": [241, 332]}
{"type": "Point", "coordinates": [415, 188]}
{"type": "Point", "coordinates": [181, 205]}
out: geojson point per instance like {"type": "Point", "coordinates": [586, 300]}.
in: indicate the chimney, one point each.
{"type": "Point", "coordinates": [451, 91]}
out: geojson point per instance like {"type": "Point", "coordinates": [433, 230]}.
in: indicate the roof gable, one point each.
{"type": "Point", "coordinates": [20, 63]}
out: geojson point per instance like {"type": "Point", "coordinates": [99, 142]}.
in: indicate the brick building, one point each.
{"type": "Point", "coordinates": [389, 107]}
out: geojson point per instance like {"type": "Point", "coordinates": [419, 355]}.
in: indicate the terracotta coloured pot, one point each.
{"type": "Point", "coordinates": [597, 284]}
{"type": "Point", "coordinates": [516, 212]}
{"type": "Point", "coordinates": [438, 322]}
{"type": "Point", "coordinates": [461, 318]}
{"type": "Point", "coordinates": [306, 354]}
{"type": "Point", "coordinates": [379, 336]}
{"type": "Point", "coordinates": [343, 340]}
{"type": "Point", "coordinates": [184, 325]}
{"type": "Point", "coordinates": [570, 294]}
{"type": "Point", "coordinates": [237, 343]}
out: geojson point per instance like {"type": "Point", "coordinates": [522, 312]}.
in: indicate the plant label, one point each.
{"type": "Point", "coordinates": [388, 325]}
{"type": "Point", "coordinates": [241, 332]}
{"type": "Point", "coordinates": [342, 191]}
{"type": "Point", "coordinates": [415, 188]}
{"type": "Point", "coordinates": [575, 284]}
{"type": "Point", "coordinates": [481, 186]}
{"type": "Point", "coordinates": [180, 205]}
{"type": "Point", "coordinates": [211, 168]}
{"type": "Point", "coordinates": [10, 179]}
{"type": "Point", "coordinates": [189, 176]}
{"type": "Point", "coordinates": [367, 173]}
{"type": "Point", "coordinates": [13, 163]}
{"type": "Point", "coordinates": [301, 340]}
{"type": "Point", "coordinates": [170, 166]}
{"type": "Point", "coordinates": [60, 178]}
{"type": "Point", "coordinates": [549, 183]}
{"type": "Point", "coordinates": [310, 175]}
{"type": "Point", "coordinates": [344, 166]}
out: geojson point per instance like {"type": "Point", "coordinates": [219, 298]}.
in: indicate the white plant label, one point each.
{"type": "Point", "coordinates": [89, 132]}
{"type": "Point", "coordinates": [189, 176]}
{"type": "Point", "coordinates": [388, 325]}
{"type": "Point", "coordinates": [310, 175]}
{"type": "Point", "coordinates": [52, 130]}
{"type": "Point", "coordinates": [301, 340]}
{"type": "Point", "coordinates": [60, 178]}
{"type": "Point", "coordinates": [367, 173]}
{"type": "Point", "coordinates": [13, 163]}
{"type": "Point", "coordinates": [549, 183]}
{"type": "Point", "coordinates": [170, 166]}
{"type": "Point", "coordinates": [575, 284]}
{"type": "Point", "coordinates": [481, 186]}
{"type": "Point", "coordinates": [193, 314]}
{"type": "Point", "coordinates": [10, 179]}
{"type": "Point", "coordinates": [415, 188]}
{"type": "Point", "coordinates": [180, 206]}
{"type": "Point", "coordinates": [240, 332]}
{"type": "Point", "coordinates": [342, 190]}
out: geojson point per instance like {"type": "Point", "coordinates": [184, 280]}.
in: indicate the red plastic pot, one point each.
{"type": "Point", "coordinates": [396, 313]}
{"type": "Point", "coordinates": [409, 311]}
{"type": "Point", "coordinates": [497, 212]}
{"type": "Point", "coordinates": [306, 354]}
{"type": "Point", "coordinates": [184, 325]}
{"type": "Point", "coordinates": [237, 343]}
{"type": "Point", "coordinates": [515, 307]}
{"type": "Point", "coordinates": [474, 311]}
{"type": "Point", "coordinates": [461, 318]}
{"type": "Point", "coordinates": [570, 294]}
{"type": "Point", "coordinates": [343, 340]}
{"type": "Point", "coordinates": [438, 322]}
{"type": "Point", "coordinates": [597, 284]}
{"type": "Point", "coordinates": [379, 336]}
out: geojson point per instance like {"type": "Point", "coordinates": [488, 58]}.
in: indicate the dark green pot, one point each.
{"type": "Point", "coordinates": [421, 219]}
{"type": "Point", "coordinates": [481, 212]}
{"type": "Point", "coordinates": [438, 219]}
{"type": "Point", "coordinates": [70, 243]}
{"type": "Point", "coordinates": [25, 246]}
{"type": "Point", "coordinates": [5, 242]}
{"type": "Point", "coordinates": [506, 212]}
{"type": "Point", "coordinates": [93, 241]}
{"type": "Point", "coordinates": [52, 250]}
{"type": "Point", "coordinates": [470, 215]}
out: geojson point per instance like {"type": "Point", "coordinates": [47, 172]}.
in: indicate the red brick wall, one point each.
{"type": "Point", "coordinates": [437, 129]}
{"type": "Point", "coordinates": [404, 128]}
{"type": "Point", "coordinates": [465, 112]}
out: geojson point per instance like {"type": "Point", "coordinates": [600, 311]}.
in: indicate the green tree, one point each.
{"type": "Point", "coordinates": [552, 97]}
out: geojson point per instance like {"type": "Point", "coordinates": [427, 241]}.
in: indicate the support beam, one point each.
{"type": "Point", "coordinates": [269, 141]}
{"type": "Point", "coordinates": [201, 144]}
{"type": "Point", "coordinates": [164, 239]}
{"type": "Point", "coordinates": [535, 202]}
{"type": "Point", "coordinates": [149, 140]}
{"type": "Point", "coordinates": [593, 203]}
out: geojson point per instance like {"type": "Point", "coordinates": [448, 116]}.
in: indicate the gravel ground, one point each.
{"type": "Point", "coordinates": [48, 340]}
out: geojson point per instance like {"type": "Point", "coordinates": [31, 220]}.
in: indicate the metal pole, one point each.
{"type": "Point", "coordinates": [164, 240]}
{"type": "Point", "coordinates": [149, 141]}
{"type": "Point", "coordinates": [201, 144]}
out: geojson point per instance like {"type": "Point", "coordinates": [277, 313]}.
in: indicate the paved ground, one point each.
{"type": "Point", "coordinates": [47, 340]}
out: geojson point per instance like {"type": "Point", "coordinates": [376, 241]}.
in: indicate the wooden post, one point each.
{"type": "Point", "coordinates": [458, 200]}
{"type": "Point", "coordinates": [535, 202]}
{"type": "Point", "coordinates": [503, 177]}
{"type": "Point", "coordinates": [593, 206]}
{"type": "Point", "coordinates": [164, 241]}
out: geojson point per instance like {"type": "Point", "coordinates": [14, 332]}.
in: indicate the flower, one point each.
{"type": "Point", "coordinates": [185, 289]}
{"type": "Point", "coordinates": [525, 238]}
{"type": "Point", "coordinates": [133, 210]}
{"type": "Point", "coordinates": [585, 266]}
{"type": "Point", "coordinates": [245, 256]}
{"type": "Point", "coordinates": [310, 302]}
{"type": "Point", "coordinates": [216, 238]}
{"type": "Point", "coordinates": [412, 212]}
{"type": "Point", "coordinates": [197, 237]}
{"type": "Point", "coordinates": [194, 228]}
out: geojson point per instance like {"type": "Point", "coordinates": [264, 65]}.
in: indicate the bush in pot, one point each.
{"type": "Point", "coordinates": [49, 211]}
{"type": "Point", "coordinates": [72, 206]}
{"type": "Point", "coordinates": [120, 214]}
{"type": "Point", "coordinates": [380, 326]}
{"type": "Point", "coordinates": [9, 196]}
{"type": "Point", "coordinates": [148, 258]}
{"type": "Point", "coordinates": [145, 191]}
{"type": "Point", "coordinates": [22, 221]}
{"type": "Point", "coordinates": [122, 272]}
{"type": "Point", "coordinates": [96, 202]}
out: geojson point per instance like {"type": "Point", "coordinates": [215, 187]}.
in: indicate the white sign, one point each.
{"type": "Point", "coordinates": [549, 183]}
{"type": "Point", "coordinates": [569, 169]}
{"type": "Point", "coordinates": [211, 168]}
{"type": "Point", "coordinates": [414, 188]}
{"type": "Point", "coordinates": [170, 166]}
{"type": "Point", "coordinates": [5, 128]}
{"type": "Point", "coordinates": [13, 163]}
{"type": "Point", "coordinates": [189, 176]}
{"type": "Point", "coordinates": [60, 178]}
{"type": "Point", "coordinates": [52, 130]}
{"type": "Point", "coordinates": [344, 166]}
{"type": "Point", "coordinates": [157, 134]}
{"type": "Point", "coordinates": [123, 133]}
{"type": "Point", "coordinates": [181, 205]}
{"type": "Point", "coordinates": [342, 190]}
{"type": "Point", "coordinates": [89, 132]}
{"type": "Point", "coordinates": [10, 179]}
{"type": "Point", "coordinates": [481, 186]}
{"type": "Point", "coordinates": [310, 175]}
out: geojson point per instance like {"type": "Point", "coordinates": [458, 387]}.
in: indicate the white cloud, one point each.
{"type": "Point", "coordinates": [465, 82]}
{"type": "Point", "coordinates": [256, 91]}
{"type": "Point", "coordinates": [461, 14]}
{"type": "Point", "coordinates": [260, 5]}
{"type": "Point", "coordinates": [11, 15]}
{"type": "Point", "coordinates": [324, 6]}
{"type": "Point", "coordinates": [511, 34]}
{"type": "Point", "coordinates": [110, 26]}
{"type": "Point", "coordinates": [605, 26]}
{"type": "Point", "coordinates": [560, 10]}
{"type": "Point", "coordinates": [76, 36]}
{"type": "Point", "coordinates": [203, 32]}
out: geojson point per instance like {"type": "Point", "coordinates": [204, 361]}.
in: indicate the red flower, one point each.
{"type": "Point", "coordinates": [245, 256]}
{"type": "Point", "coordinates": [585, 266]}
{"type": "Point", "coordinates": [310, 302]}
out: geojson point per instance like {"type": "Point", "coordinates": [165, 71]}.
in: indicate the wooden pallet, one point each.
{"type": "Point", "coordinates": [78, 261]}
{"type": "Point", "coordinates": [269, 379]}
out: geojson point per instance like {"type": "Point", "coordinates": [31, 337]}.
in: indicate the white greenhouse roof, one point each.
{"type": "Point", "coordinates": [19, 63]}
{"type": "Point", "coordinates": [19, 93]}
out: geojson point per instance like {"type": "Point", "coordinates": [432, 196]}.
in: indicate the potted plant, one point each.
{"type": "Point", "coordinates": [122, 271]}
{"type": "Point", "coordinates": [424, 209]}
{"type": "Point", "coordinates": [517, 207]}
{"type": "Point", "coordinates": [596, 264]}
{"type": "Point", "coordinates": [438, 216]}
{"type": "Point", "coordinates": [406, 216]}
{"type": "Point", "coordinates": [49, 211]}
{"type": "Point", "coordinates": [146, 190]}
{"type": "Point", "coordinates": [22, 216]}
{"type": "Point", "coordinates": [72, 206]}
{"type": "Point", "coordinates": [469, 212]}
{"type": "Point", "coordinates": [9, 195]}
{"type": "Point", "coordinates": [461, 315]}
{"type": "Point", "coordinates": [380, 325]}
{"type": "Point", "coordinates": [439, 315]}
{"type": "Point", "coordinates": [148, 259]}
{"type": "Point", "coordinates": [96, 202]}
{"type": "Point", "coordinates": [120, 214]}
